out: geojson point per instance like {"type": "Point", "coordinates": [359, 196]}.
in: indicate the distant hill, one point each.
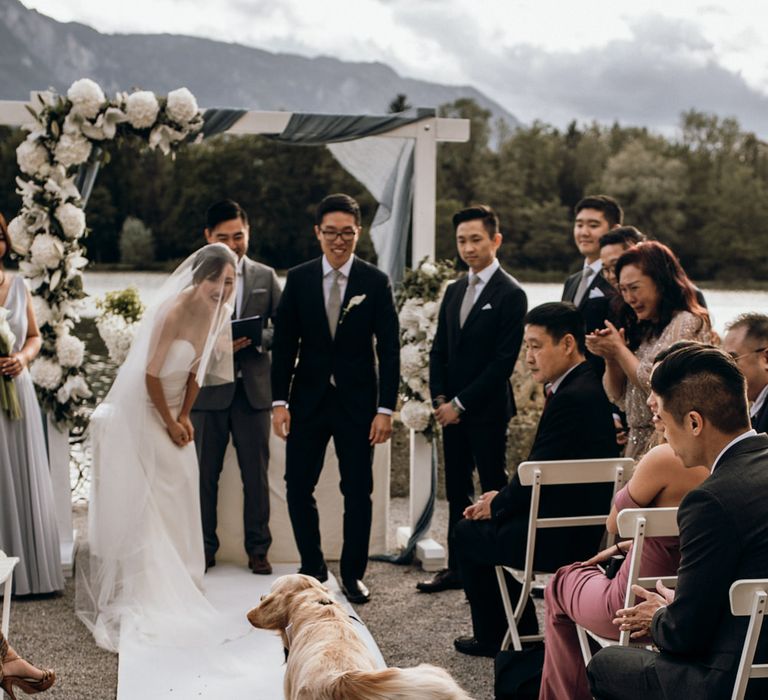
{"type": "Point", "coordinates": [37, 52]}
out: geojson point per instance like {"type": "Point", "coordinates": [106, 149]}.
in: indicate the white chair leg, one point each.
{"type": "Point", "coordinates": [512, 636]}
{"type": "Point", "coordinates": [586, 652]}
{"type": "Point", "coordinates": [6, 619]}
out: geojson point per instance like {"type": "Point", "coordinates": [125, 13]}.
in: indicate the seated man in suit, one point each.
{"type": "Point", "coordinates": [576, 424]}
{"type": "Point", "coordinates": [702, 404]}
{"type": "Point", "coordinates": [746, 341]}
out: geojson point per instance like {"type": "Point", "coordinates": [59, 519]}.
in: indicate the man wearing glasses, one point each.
{"type": "Point", "coordinates": [336, 330]}
{"type": "Point", "coordinates": [746, 341]}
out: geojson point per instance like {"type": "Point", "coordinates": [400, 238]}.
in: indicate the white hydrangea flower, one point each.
{"type": "Point", "coordinates": [72, 149]}
{"type": "Point", "coordinates": [47, 250]}
{"type": "Point", "coordinates": [117, 335]}
{"type": "Point", "coordinates": [75, 387]}
{"type": "Point", "coordinates": [70, 350]}
{"type": "Point", "coordinates": [412, 360]}
{"type": "Point", "coordinates": [429, 269]}
{"type": "Point", "coordinates": [31, 156]}
{"type": "Point", "coordinates": [21, 236]}
{"type": "Point", "coordinates": [181, 106]}
{"type": "Point", "coordinates": [416, 415]}
{"type": "Point", "coordinates": [418, 385]}
{"type": "Point", "coordinates": [430, 309]}
{"type": "Point", "coordinates": [409, 315]}
{"type": "Point", "coordinates": [43, 312]}
{"type": "Point", "coordinates": [142, 108]}
{"type": "Point", "coordinates": [72, 220]}
{"type": "Point", "coordinates": [46, 373]}
{"type": "Point", "coordinates": [87, 97]}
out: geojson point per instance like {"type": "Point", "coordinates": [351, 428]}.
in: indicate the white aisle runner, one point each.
{"type": "Point", "coordinates": [250, 667]}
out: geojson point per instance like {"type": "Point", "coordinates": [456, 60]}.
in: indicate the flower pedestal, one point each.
{"type": "Point", "coordinates": [430, 553]}
{"type": "Point", "coordinates": [58, 457]}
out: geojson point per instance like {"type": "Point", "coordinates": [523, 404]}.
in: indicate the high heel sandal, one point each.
{"type": "Point", "coordinates": [29, 685]}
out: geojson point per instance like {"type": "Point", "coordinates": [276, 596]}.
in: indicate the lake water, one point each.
{"type": "Point", "coordinates": [724, 304]}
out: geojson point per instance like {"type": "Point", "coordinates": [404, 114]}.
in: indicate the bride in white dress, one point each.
{"type": "Point", "coordinates": [146, 563]}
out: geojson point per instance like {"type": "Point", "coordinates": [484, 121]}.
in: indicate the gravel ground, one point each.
{"type": "Point", "coordinates": [46, 631]}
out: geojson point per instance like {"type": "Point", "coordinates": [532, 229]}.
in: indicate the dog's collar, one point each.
{"type": "Point", "coordinates": [289, 632]}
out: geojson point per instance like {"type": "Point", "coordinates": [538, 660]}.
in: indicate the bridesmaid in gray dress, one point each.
{"type": "Point", "coordinates": [27, 516]}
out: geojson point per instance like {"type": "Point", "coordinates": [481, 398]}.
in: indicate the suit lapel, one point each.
{"type": "Point", "coordinates": [455, 308]}
{"type": "Point", "coordinates": [248, 284]}
{"type": "Point", "coordinates": [355, 286]}
{"type": "Point", "coordinates": [485, 295]}
{"type": "Point", "coordinates": [316, 295]}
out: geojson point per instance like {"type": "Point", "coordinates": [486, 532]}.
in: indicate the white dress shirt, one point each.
{"type": "Point", "coordinates": [554, 386]}
{"type": "Point", "coordinates": [741, 437]}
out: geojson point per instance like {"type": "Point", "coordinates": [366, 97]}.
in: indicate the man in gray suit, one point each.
{"type": "Point", "coordinates": [243, 407]}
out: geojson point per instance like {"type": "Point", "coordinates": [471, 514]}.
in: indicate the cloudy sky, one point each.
{"type": "Point", "coordinates": [639, 62]}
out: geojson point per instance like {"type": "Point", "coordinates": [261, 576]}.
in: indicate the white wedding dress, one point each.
{"type": "Point", "coordinates": [144, 576]}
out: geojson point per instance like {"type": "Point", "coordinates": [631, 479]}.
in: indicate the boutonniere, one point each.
{"type": "Point", "coordinates": [351, 304]}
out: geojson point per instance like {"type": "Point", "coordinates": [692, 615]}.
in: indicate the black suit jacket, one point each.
{"type": "Point", "coordinates": [723, 537]}
{"type": "Point", "coordinates": [760, 421]}
{"type": "Point", "coordinates": [594, 309]}
{"type": "Point", "coordinates": [301, 331]}
{"type": "Point", "coordinates": [475, 362]}
{"type": "Point", "coordinates": [577, 423]}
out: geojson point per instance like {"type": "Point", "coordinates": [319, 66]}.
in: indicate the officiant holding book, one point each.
{"type": "Point", "coordinates": [242, 408]}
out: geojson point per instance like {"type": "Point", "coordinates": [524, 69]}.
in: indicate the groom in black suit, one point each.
{"type": "Point", "coordinates": [702, 404]}
{"type": "Point", "coordinates": [576, 424]}
{"type": "Point", "coordinates": [479, 332]}
{"type": "Point", "coordinates": [333, 312]}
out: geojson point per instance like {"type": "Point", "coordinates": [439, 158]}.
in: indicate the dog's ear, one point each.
{"type": "Point", "coordinates": [271, 613]}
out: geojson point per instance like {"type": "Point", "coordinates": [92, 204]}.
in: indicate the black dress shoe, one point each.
{"type": "Point", "coordinates": [470, 646]}
{"type": "Point", "coordinates": [443, 580]}
{"type": "Point", "coordinates": [210, 562]}
{"type": "Point", "coordinates": [321, 574]}
{"type": "Point", "coordinates": [355, 591]}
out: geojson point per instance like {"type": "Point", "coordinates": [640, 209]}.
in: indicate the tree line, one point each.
{"type": "Point", "coordinates": [703, 191]}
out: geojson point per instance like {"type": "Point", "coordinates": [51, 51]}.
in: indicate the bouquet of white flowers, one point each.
{"type": "Point", "coordinates": [117, 321]}
{"type": "Point", "coordinates": [9, 399]}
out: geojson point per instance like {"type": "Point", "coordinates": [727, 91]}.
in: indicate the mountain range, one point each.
{"type": "Point", "coordinates": [38, 52]}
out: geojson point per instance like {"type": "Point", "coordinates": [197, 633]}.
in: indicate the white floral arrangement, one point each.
{"type": "Point", "coordinates": [419, 303]}
{"type": "Point", "coordinates": [67, 133]}
{"type": "Point", "coordinates": [118, 320]}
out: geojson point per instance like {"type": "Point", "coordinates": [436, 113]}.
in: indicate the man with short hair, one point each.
{"type": "Point", "coordinates": [241, 408]}
{"type": "Point", "coordinates": [576, 424]}
{"type": "Point", "coordinates": [336, 330]}
{"type": "Point", "coordinates": [612, 245]}
{"type": "Point", "coordinates": [479, 332]}
{"type": "Point", "coordinates": [746, 341]}
{"type": "Point", "coordinates": [702, 404]}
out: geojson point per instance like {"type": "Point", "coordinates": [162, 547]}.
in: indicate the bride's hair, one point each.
{"type": "Point", "coordinates": [209, 262]}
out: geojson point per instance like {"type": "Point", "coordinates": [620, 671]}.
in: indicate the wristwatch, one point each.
{"type": "Point", "coordinates": [438, 401]}
{"type": "Point", "coordinates": [456, 407]}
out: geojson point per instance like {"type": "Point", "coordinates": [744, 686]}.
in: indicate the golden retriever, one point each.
{"type": "Point", "coordinates": [327, 659]}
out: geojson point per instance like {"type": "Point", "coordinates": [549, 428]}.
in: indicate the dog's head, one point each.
{"type": "Point", "coordinates": [275, 610]}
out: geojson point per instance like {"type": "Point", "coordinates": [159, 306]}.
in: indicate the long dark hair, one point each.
{"type": "Point", "coordinates": [6, 238]}
{"type": "Point", "coordinates": [676, 291]}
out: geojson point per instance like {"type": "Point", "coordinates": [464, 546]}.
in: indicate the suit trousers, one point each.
{"type": "Point", "coordinates": [304, 457]}
{"type": "Point", "coordinates": [250, 433]}
{"type": "Point", "coordinates": [466, 446]}
{"type": "Point", "coordinates": [621, 673]}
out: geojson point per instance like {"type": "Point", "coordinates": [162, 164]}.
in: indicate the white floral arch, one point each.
{"type": "Point", "coordinates": [65, 136]}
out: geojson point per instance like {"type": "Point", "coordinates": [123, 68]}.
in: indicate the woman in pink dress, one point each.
{"type": "Point", "coordinates": [581, 593]}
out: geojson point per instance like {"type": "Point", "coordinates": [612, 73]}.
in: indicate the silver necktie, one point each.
{"type": "Point", "coordinates": [469, 299]}
{"type": "Point", "coordinates": [333, 307]}
{"type": "Point", "coordinates": [586, 277]}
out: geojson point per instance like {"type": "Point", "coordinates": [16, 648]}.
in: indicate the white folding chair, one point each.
{"type": "Point", "coordinates": [561, 472]}
{"type": "Point", "coordinates": [7, 565]}
{"type": "Point", "coordinates": [748, 597]}
{"type": "Point", "coordinates": [637, 523]}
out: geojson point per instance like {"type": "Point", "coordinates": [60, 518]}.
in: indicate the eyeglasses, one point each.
{"type": "Point", "coordinates": [331, 234]}
{"type": "Point", "coordinates": [736, 357]}
{"type": "Point", "coordinates": [608, 273]}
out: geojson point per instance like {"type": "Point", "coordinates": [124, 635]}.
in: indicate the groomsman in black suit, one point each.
{"type": "Point", "coordinates": [240, 408]}
{"type": "Point", "coordinates": [723, 524]}
{"type": "Point", "coordinates": [333, 311]}
{"type": "Point", "coordinates": [479, 332]}
{"type": "Point", "coordinates": [576, 424]}
{"type": "Point", "coordinates": [747, 342]}
{"type": "Point", "coordinates": [588, 289]}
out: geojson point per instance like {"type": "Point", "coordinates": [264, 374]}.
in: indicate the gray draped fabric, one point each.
{"type": "Point", "coordinates": [383, 165]}
{"type": "Point", "coordinates": [217, 121]}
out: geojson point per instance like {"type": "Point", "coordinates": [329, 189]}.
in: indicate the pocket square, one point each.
{"type": "Point", "coordinates": [486, 307]}
{"type": "Point", "coordinates": [596, 293]}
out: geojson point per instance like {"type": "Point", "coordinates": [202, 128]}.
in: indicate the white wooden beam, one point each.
{"type": "Point", "coordinates": [13, 113]}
